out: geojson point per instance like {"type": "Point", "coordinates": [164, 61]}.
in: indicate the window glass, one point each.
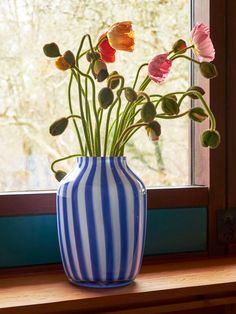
{"type": "Point", "coordinates": [33, 92]}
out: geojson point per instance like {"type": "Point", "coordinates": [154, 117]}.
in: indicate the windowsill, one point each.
{"type": "Point", "coordinates": [160, 288]}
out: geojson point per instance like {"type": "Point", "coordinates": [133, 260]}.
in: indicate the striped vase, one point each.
{"type": "Point", "coordinates": [101, 218]}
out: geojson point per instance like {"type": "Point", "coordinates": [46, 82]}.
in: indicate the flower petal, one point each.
{"type": "Point", "coordinates": [203, 46]}
{"type": "Point", "coordinates": [159, 68]}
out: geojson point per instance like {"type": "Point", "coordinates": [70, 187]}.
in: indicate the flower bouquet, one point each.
{"type": "Point", "coordinates": [131, 107]}
{"type": "Point", "coordinates": [101, 203]}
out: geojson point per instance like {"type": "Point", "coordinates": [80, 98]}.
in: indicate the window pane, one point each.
{"type": "Point", "coordinates": [33, 93]}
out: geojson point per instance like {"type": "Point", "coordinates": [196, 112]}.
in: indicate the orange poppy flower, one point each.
{"type": "Point", "coordinates": [121, 36]}
{"type": "Point", "coordinates": [61, 64]}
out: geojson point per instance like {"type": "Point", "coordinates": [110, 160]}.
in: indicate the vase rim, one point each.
{"type": "Point", "coordinates": [102, 157]}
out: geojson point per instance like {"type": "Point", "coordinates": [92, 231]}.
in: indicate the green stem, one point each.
{"type": "Point", "coordinates": [145, 83]}
{"type": "Point", "coordinates": [208, 110]}
{"type": "Point", "coordinates": [137, 125]}
{"type": "Point", "coordinates": [138, 72]}
{"type": "Point", "coordinates": [164, 116]}
{"type": "Point", "coordinates": [181, 51]}
{"type": "Point", "coordinates": [185, 57]}
{"type": "Point", "coordinates": [127, 138]}
{"type": "Point", "coordinates": [145, 95]}
{"type": "Point", "coordinates": [78, 56]}
{"type": "Point", "coordinates": [85, 126]}
{"type": "Point", "coordinates": [71, 111]}
{"type": "Point", "coordinates": [110, 110]}
{"type": "Point", "coordinates": [61, 159]}
{"type": "Point", "coordinates": [97, 129]}
{"type": "Point", "coordinates": [73, 116]}
{"type": "Point", "coordinates": [169, 94]}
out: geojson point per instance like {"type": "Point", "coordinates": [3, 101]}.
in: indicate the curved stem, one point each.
{"type": "Point", "coordinates": [145, 95]}
{"type": "Point", "coordinates": [97, 130]}
{"type": "Point", "coordinates": [73, 116]}
{"type": "Point", "coordinates": [199, 95]}
{"type": "Point", "coordinates": [164, 116]}
{"type": "Point", "coordinates": [78, 56]}
{"type": "Point", "coordinates": [61, 159]}
{"type": "Point", "coordinates": [110, 110]}
{"type": "Point", "coordinates": [128, 137]}
{"type": "Point", "coordinates": [137, 75]}
{"type": "Point", "coordinates": [137, 125]}
{"type": "Point", "coordinates": [71, 111]}
{"type": "Point", "coordinates": [85, 126]}
{"type": "Point", "coordinates": [185, 57]}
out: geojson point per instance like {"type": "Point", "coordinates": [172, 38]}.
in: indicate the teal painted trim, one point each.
{"type": "Point", "coordinates": [32, 240]}
{"type": "Point", "coordinates": [28, 240]}
{"type": "Point", "coordinates": [176, 230]}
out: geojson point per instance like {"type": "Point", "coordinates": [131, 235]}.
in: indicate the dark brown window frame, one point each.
{"type": "Point", "coordinates": [212, 183]}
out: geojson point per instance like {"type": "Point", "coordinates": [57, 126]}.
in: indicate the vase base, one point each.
{"type": "Point", "coordinates": [101, 284]}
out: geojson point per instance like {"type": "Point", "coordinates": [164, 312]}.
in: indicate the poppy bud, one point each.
{"type": "Point", "coordinates": [148, 112]}
{"type": "Point", "coordinates": [99, 70]}
{"type": "Point", "coordinates": [210, 138]}
{"type": "Point", "coordinates": [69, 57]}
{"type": "Point", "coordinates": [154, 130]}
{"type": "Point", "coordinates": [60, 174]}
{"type": "Point", "coordinates": [62, 64]}
{"type": "Point", "coordinates": [173, 97]}
{"type": "Point", "coordinates": [197, 89]}
{"type": "Point", "coordinates": [197, 114]}
{"type": "Point", "coordinates": [51, 50]}
{"type": "Point", "coordinates": [179, 46]}
{"type": "Point", "coordinates": [169, 106]}
{"type": "Point", "coordinates": [113, 83]}
{"type": "Point", "coordinates": [92, 56]}
{"type": "Point", "coordinates": [105, 97]}
{"type": "Point", "coordinates": [58, 127]}
{"type": "Point", "coordinates": [208, 70]}
{"type": "Point", "coordinates": [130, 94]}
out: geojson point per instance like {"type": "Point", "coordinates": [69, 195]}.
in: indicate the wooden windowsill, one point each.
{"type": "Point", "coordinates": [163, 288]}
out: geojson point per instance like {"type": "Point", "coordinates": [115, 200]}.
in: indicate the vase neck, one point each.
{"type": "Point", "coordinates": [101, 160]}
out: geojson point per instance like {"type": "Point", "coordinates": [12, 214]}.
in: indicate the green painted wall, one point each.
{"type": "Point", "coordinates": [31, 240]}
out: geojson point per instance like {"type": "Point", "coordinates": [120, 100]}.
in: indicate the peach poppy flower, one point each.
{"type": "Point", "coordinates": [121, 36]}
{"type": "Point", "coordinates": [159, 68]}
{"type": "Point", "coordinates": [203, 46]}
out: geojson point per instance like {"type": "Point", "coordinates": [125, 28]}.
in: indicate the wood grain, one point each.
{"type": "Point", "coordinates": [38, 203]}
{"type": "Point", "coordinates": [162, 288]}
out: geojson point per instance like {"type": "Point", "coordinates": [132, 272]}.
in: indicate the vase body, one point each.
{"type": "Point", "coordinates": [101, 219]}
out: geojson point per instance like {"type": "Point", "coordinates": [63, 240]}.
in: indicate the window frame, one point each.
{"type": "Point", "coordinates": [212, 183]}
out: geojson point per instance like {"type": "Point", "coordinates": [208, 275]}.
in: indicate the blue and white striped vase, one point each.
{"type": "Point", "coordinates": [101, 218]}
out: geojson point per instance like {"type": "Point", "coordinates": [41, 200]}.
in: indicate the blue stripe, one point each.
{"type": "Point", "coordinates": [66, 228]}
{"type": "Point", "coordinates": [77, 231]}
{"type": "Point", "coordinates": [123, 221]}
{"type": "Point", "coordinates": [106, 210]}
{"type": "Point", "coordinates": [59, 235]}
{"type": "Point", "coordinates": [144, 214]}
{"type": "Point", "coordinates": [91, 222]}
{"type": "Point", "coordinates": [137, 213]}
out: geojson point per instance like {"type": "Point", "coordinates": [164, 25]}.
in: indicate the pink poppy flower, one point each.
{"type": "Point", "coordinates": [203, 47]}
{"type": "Point", "coordinates": [159, 68]}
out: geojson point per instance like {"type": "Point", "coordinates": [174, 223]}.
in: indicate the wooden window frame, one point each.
{"type": "Point", "coordinates": [214, 179]}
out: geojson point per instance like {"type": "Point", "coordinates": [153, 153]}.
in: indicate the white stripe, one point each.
{"type": "Point", "coordinates": [142, 208]}
{"type": "Point", "coordinates": [63, 238]}
{"type": "Point", "coordinates": [83, 221]}
{"type": "Point", "coordinates": [72, 177]}
{"type": "Point", "coordinates": [129, 216]}
{"type": "Point", "coordinates": [115, 220]}
{"type": "Point", "coordinates": [99, 222]}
